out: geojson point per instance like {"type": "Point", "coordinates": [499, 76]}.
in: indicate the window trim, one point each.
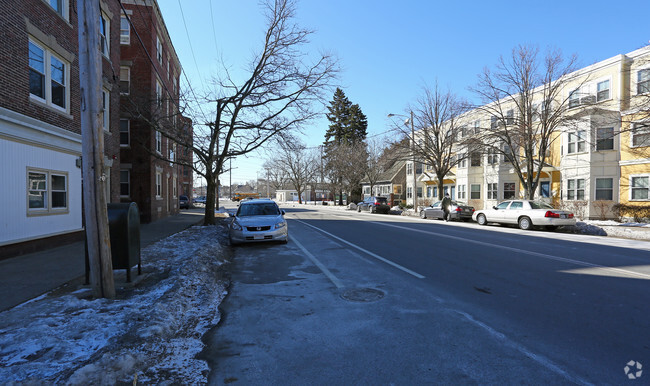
{"type": "Point", "coordinates": [632, 134]}
{"type": "Point", "coordinates": [492, 191]}
{"type": "Point", "coordinates": [47, 66]}
{"type": "Point", "coordinates": [106, 110]}
{"type": "Point", "coordinates": [580, 139]}
{"type": "Point", "coordinates": [125, 38]}
{"type": "Point", "coordinates": [513, 190]}
{"type": "Point", "coordinates": [576, 189]}
{"type": "Point", "coordinates": [128, 183]}
{"type": "Point", "coordinates": [612, 179]}
{"type": "Point", "coordinates": [645, 83]}
{"type": "Point", "coordinates": [128, 80]}
{"type": "Point", "coordinates": [600, 141]}
{"type": "Point", "coordinates": [128, 132]}
{"type": "Point", "coordinates": [609, 90]}
{"type": "Point", "coordinates": [105, 48]}
{"type": "Point", "coordinates": [158, 137]}
{"type": "Point", "coordinates": [65, 9]}
{"type": "Point", "coordinates": [631, 189]}
{"type": "Point", "coordinates": [472, 191]}
{"type": "Point", "coordinates": [158, 185]}
{"type": "Point", "coordinates": [48, 209]}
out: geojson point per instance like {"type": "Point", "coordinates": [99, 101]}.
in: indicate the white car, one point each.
{"type": "Point", "coordinates": [258, 220]}
{"type": "Point", "coordinates": [525, 213]}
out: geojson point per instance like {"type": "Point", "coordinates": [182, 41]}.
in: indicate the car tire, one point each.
{"type": "Point", "coordinates": [481, 219]}
{"type": "Point", "coordinates": [359, 209]}
{"type": "Point", "coordinates": [525, 223]}
{"type": "Point", "coordinates": [423, 214]}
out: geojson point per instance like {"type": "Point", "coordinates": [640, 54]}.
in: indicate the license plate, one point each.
{"type": "Point", "coordinates": [563, 216]}
{"type": "Point", "coordinates": [258, 237]}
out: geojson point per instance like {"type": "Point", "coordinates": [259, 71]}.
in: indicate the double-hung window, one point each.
{"type": "Point", "coordinates": [60, 7]}
{"type": "Point", "coordinates": [125, 30]}
{"type": "Point", "coordinates": [462, 163]}
{"type": "Point", "coordinates": [125, 183]}
{"type": "Point", "coordinates": [125, 80]}
{"type": "Point", "coordinates": [510, 117]}
{"type": "Point", "coordinates": [475, 159]}
{"type": "Point", "coordinates": [158, 142]}
{"type": "Point", "coordinates": [475, 192]}
{"type": "Point", "coordinates": [477, 127]}
{"type": "Point", "coordinates": [159, 50]}
{"type": "Point", "coordinates": [602, 91]}
{"type": "Point", "coordinates": [605, 138]}
{"type": "Point", "coordinates": [158, 184]}
{"type": "Point", "coordinates": [47, 191]}
{"type": "Point", "coordinates": [462, 193]}
{"type": "Point", "coordinates": [106, 113]}
{"type": "Point", "coordinates": [640, 134]}
{"type": "Point", "coordinates": [574, 98]}
{"type": "Point", "coordinates": [125, 132]}
{"type": "Point", "coordinates": [640, 187]}
{"type": "Point", "coordinates": [575, 189]}
{"type": "Point", "coordinates": [104, 34]}
{"type": "Point", "coordinates": [492, 157]}
{"type": "Point", "coordinates": [492, 190]}
{"type": "Point", "coordinates": [576, 142]}
{"type": "Point", "coordinates": [604, 189]}
{"type": "Point", "coordinates": [643, 81]}
{"type": "Point", "coordinates": [509, 190]}
{"type": "Point", "coordinates": [48, 76]}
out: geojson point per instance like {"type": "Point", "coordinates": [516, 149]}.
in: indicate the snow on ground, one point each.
{"type": "Point", "coordinates": [151, 331]}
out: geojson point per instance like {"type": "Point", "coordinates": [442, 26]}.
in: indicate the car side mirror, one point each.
{"type": "Point", "coordinates": [283, 213]}
{"type": "Point", "coordinates": [495, 208]}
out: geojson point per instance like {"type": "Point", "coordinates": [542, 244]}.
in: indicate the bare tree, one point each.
{"type": "Point", "coordinates": [524, 98]}
{"type": "Point", "coordinates": [376, 164]}
{"type": "Point", "coordinates": [279, 95]}
{"type": "Point", "coordinates": [346, 167]}
{"type": "Point", "coordinates": [436, 135]}
{"type": "Point", "coordinates": [277, 176]}
{"type": "Point", "coordinates": [300, 164]}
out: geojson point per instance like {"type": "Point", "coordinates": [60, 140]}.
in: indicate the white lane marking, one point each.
{"type": "Point", "coordinates": [413, 273]}
{"type": "Point", "coordinates": [523, 251]}
{"type": "Point", "coordinates": [537, 358]}
{"type": "Point", "coordinates": [320, 265]}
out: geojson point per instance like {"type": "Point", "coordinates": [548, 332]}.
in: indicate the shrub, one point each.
{"type": "Point", "coordinates": [636, 211]}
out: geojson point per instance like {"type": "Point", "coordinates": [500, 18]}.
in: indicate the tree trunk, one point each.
{"type": "Point", "coordinates": [208, 218]}
{"type": "Point", "coordinates": [441, 187]}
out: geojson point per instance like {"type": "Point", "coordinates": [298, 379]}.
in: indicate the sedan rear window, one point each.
{"type": "Point", "coordinates": [540, 205]}
{"type": "Point", "coordinates": [258, 210]}
{"type": "Point", "coordinates": [382, 200]}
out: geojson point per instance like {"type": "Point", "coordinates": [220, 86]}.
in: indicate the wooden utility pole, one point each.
{"type": "Point", "coordinates": [92, 142]}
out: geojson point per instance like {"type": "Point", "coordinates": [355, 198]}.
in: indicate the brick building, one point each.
{"type": "Point", "coordinates": [149, 76]}
{"type": "Point", "coordinates": [40, 132]}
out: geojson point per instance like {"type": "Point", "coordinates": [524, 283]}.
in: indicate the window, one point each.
{"type": "Point", "coordinates": [125, 132]}
{"type": "Point", "coordinates": [475, 192]}
{"type": "Point", "coordinates": [477, 127]}
{"type": "Point", "coordinates": [125, 185]}
{"type": "Point", "coordinates": [429, 190]}
{"type": "Point", "coordinates": [409, 192]}
{"type": "Point", "coordinates": [640, 188]}
{"type": "Point", "coordinates": [172, 154]}
{"type": "Point", "coordinates": [158, 93]}
{"type": "Point", "coordinates": [516, 205]}
{"type": "Point", "coordinates": [643, 81]}
{"type": "Point", "coordinates": [493, 122]}
{"type": "Point", "coordinates": [104, 34]}
{"type": "Point", "coordinates": [159, 49]}
{"type": "Point", "coordinates": [545, 189]}
{"type": "Point", "coordinates": [159, 142]}
{"type": "Point", "coordinates": [492, 191]}
{"type": "Point", "coordinates": [125, 30]}
{"type": "Point", "coordinates": [509, 190]}
{"type": "Point", "coordinates": [47, 191]}
{"type": "Point", "coordinates": [174, 187]}
{"type": "Point", "coordinates": [125, 80]}
{"type": "Point", "coordinates": [510, 117]}
{"type": "Point", "coordinates": [158, 184]}
{"type": "Point", "coordinates": [47, 76]}
{"type": "Point", "coordinates": [640, 135]}
{"type": "Point", "coordinates": [106, 113]}
{"type": "Point", "coordinates": [409, 168]}
{"type": "Point", "coordinates": [60, 7]}
{"type": "Point", "coordinates": [492, 157]}
{"type": "Point", "coordinates": [574, 98]}
{"type": "Point", "coordinates": [462, 194]}
{"type": "Point", "coordinates": [463, 161]}
{"type": "Point", "coordinates": [575, 189]}
{"type": "Point", "coordinates": [603, 91]}
{"type": "Point", "coordinates": [475, 159]}
{"type": "Point", "coordinates": [576, 142]}
{"type": "Point", "coordinates": [419, 190]}
{"type": "Point", "coordinates": [507, 152]}
{"type": "Point", "coordinates": [604, 189]}
{"type": "Point", "coordinates": [605, 138]}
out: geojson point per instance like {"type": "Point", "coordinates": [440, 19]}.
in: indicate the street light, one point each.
{"type": "Point", "coordinates": [415, 182]}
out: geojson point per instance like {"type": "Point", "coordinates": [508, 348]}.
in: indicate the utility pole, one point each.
{"type": "Point", "coordinates": [92, 141]}
{"type": "Point", "coordinates": [415, 180]}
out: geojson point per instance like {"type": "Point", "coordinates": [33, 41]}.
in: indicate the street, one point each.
{"type": "Point", "coordinates": [376, 299]}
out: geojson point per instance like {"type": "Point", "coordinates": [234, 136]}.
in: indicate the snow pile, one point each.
{"type": "Point", "coordinates": [151, 332]}
{"type": "Point", "coordinates": [638, 231]}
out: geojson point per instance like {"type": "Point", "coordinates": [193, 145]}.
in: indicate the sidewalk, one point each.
{"type": "Point", "coordinates": [28, 276]}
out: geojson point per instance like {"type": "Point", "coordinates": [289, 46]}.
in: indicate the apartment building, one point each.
{"type": "Point", "coordinates": [149, 117]}
{"type": "Point", "coordinates": [40, 131]}
{"type": "Point", "coordinates": [599, 157]}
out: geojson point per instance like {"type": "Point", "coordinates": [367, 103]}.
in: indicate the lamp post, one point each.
{"type": "Point", "coordinates": [415, 182]}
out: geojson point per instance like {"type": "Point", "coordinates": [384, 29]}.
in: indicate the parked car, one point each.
{"type": "Point", "coordinates": [200, 200]}
{"type": "Point", "coordinates": [525, 213]}
{"type": "Point", "coordinates": [258, 220]}
{"type": "Point", "coordinates": [184, 202]}
{"type": "Point", "coordinates": [374, 205]}
{"type": "Point", "coordinates": [457, 211]}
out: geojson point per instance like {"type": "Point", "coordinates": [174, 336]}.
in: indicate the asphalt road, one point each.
{"type": "Point", "coordinates": [375, 299]}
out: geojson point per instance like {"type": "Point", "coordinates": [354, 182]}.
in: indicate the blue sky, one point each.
{"type": "Point", "coordinates": [389, 50]}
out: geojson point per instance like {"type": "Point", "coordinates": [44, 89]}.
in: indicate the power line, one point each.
{"type": "Point", "coordinates": [190, 40]}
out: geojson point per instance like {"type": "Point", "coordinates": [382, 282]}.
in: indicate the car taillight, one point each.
{"type": "Point", "coordinates": [552, 214]}
{"type": "Point", "coordinates": [377, 203]}
{"type": "Point", "coordinates": [459, 210]}
{"type": "Point", "coordinates": [570, 215]}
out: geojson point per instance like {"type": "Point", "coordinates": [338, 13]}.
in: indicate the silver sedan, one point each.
{"type": "Point", "coordinates": [525, 213]}
{"type": "Point", "coordinates": [258, 220]}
